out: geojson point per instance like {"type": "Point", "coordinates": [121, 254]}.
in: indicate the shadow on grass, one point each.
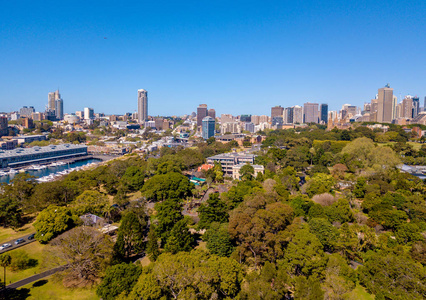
{"type": "Point", "coordinates": [12, 294]}
{"type": "Point", "coordinates": [40, 283]}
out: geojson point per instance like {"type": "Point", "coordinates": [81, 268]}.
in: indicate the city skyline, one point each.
{"type": "Point", "coordinates": [271, 53]}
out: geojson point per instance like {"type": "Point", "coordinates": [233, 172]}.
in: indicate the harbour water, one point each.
{"type": "Point", "coordinates": [52, 170]}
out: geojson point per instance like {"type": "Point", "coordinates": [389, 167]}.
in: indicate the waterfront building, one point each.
{"type": "Point", "coordinates": [23, 156]}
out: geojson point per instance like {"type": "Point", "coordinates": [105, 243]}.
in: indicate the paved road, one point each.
{"type": "Point", "coordinates": [12, 242]}
{"type": "Point", "coordinates": [33, 278]}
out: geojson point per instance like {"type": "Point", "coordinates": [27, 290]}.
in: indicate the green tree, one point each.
{"type": "Point", "coordinates": [118, 280]}
{"type": "Point", "coordinates": [5, 261]}
{"type": "Point", "coordinates": [169, 212]}
{"type": "Point", "coordinates": [214, 211]}
{"type": "Point", "coordinates": [52, 221]}
{"type": "Point", "coordinates": [180, 239]}
{"type": "Point", "coordinates": [308, 289]}
{"type": "Point", "coordinates": [394, 275]}
{"type": "Point", "coordinates": [147, 288]}
{"type": "Point", "coordinates": [247, 172]}
{"type": "Point", "coordinates": [320, 183]}
{"type": "Point", "coordinates": [304, 255]}
{"type": "Point", "coordinates": [152, 247]}
{"type": "Point", "coordinates": [90, 202]}
{"type": "Point", "coordinates": [130, 237]}
{"type": "Point", "coordinates": [133, 178]}
{"type": "Point", "coordinates": [360, 187]}
{"type": "Point", "coordinates": [325, 232]}
{"type": "Point", "coordinates": [218, 240]}
{"type": "Point", "coordinates": [171, 185]}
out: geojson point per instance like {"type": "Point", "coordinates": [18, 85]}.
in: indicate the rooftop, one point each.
{"type": "Point", "coordinates": [36, 149]}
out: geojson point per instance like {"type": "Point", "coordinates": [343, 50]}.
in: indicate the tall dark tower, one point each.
{"type": "Point", "coordinates": [201, 113]}
{"type": "Point", "coordinates": [324, 113]}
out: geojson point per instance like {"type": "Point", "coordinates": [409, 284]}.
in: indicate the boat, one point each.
{"type": "Point", "coordinates": [2, 173]}
{"type": "Point", "coordinates": [12, 171]}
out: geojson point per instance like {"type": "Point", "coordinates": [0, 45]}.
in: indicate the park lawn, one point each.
{"type": "Point", "coordinates": [416, 146]}
{"type": "Point", "coordinates": [35, 251]}
{"type": "Point", "coordinates": [52, 290]}
{"type": "Point", "coordinates": [134, 196]}
{"type": "Point", "coordinates": [7, 234]}
{"type": "Point", "coordinates": [360, 293]}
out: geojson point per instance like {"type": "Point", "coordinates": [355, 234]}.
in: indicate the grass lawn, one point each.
{"type": "Point", "coordinates": [360, 293]}
{"type": "Point", "coordinates": [35, 251]}
{"type": "Point", "coordinates": [416, 146]}
{"type": "Point", "coordinates": [7, 234]}
{"type": "Point", "coordinates": [47, 289]}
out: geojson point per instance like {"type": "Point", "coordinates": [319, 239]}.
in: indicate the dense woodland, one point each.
{"type": "Point", "coordinates": [331, 212]}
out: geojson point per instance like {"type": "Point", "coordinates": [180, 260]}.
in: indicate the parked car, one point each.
{"type": "Point", "coordinates": [31, 236]}
{"type": "Point", "coordinates": [5, 246]}
{"type": "Point", "coordinates": [19, 241]}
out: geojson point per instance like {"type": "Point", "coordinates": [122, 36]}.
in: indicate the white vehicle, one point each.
{"type": "Point", "coordinates": [5, 246]}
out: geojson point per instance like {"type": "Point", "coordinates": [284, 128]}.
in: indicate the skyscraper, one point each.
{"type": "Point", "coordinates": [277, 111]}
{"type": "Point", "coordinates": [416, 106]}
{"type": "Point", "coordinates": [208, 127]}
{"type": "Point", "coordinates": [51, 101]}
{"type": "Point", "coordinates": [324, 113]}
{"type": "Point", "coordinates": [212, 113]}
{"type": "Point", "coordinates": [297, 114]}
{"type": "Point", "coordinates": [142, 106]}
{"type": "Point", "coordinates": [310, 112]}
{"type": "Point", "coordinates": [201, 113]}
{"type": "Point", "coordinates": [385, 105]}
{"type": "Point", "coordinates": [59, 109]}
{"type": "Point", "coordinates": [288, 115]}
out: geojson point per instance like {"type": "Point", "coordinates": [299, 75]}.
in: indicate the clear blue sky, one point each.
{"type": "Point", "coordinates": [237, 56]}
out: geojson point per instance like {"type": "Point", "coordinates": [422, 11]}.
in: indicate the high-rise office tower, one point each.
{"type": "Point", "coordinates": [59, 109]}
{"type": "Point", "coordinates": [288, 115]}
{"type": "Point", "coordinates": [142, 106]}
{"type": "Point", "coordinates": [385, 105]}
{"type": "Point", "coordinates": [297, 114]}
{"type": "Point", "coordinates": [208, 127]}
{"type": "Point", "coordinates": [245, 118]}
{"type": "Point", "coordinates": [310, 112]}
{"type": "Point", "coordinates": [89, 113]}
{"type": "Point", "coordinates": [416, 106]}
{"type": "Point", "coordinates": [212, 113]}
{"type": "Point", "coordinates": [324, 113]}
{"type": "Point", "coordinates": [407, 108]}
{"type": "Point", "coordinates": [277, 111]}
{"type": "Point", "coordinates": [51, 98]}
{"type": "Point", "coordinates": [201, 113]}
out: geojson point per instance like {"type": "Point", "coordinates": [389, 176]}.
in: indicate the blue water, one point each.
{"type": "Point", "coordinates": [52, 170]}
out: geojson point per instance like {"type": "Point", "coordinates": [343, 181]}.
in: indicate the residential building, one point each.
{"type": "Point", "coordinates": [229, 160]}
{"type": "Point", "coordinates": [26, 139]}
{"type": "Point", "coordinates": [310, 112]}
{"type": "Point", "coordinates": [249, 126]}
{"type": "Point", "coordinates": [27, 123]}
{"type": "Point", "coordinates": [230, 127]}
{"type": "Point", "coordinates": [224, 118]}
{"type": "Point", "coordinates": [37, 116]}
{"type": "Point", "coordinates": [208, 127]}
{"type": "Point", "coordinates": [236, 170]}
{"type": "Point", "coordinates": [26, 111]}
{"type": "Point", "coordinates": [142, 106]}
{"type": "Point", "coordinates": [80, 114]}
{"type": "Point", "coordinates": [3, 126]}
{"type": "Point", "coordinates": [406, 108]}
